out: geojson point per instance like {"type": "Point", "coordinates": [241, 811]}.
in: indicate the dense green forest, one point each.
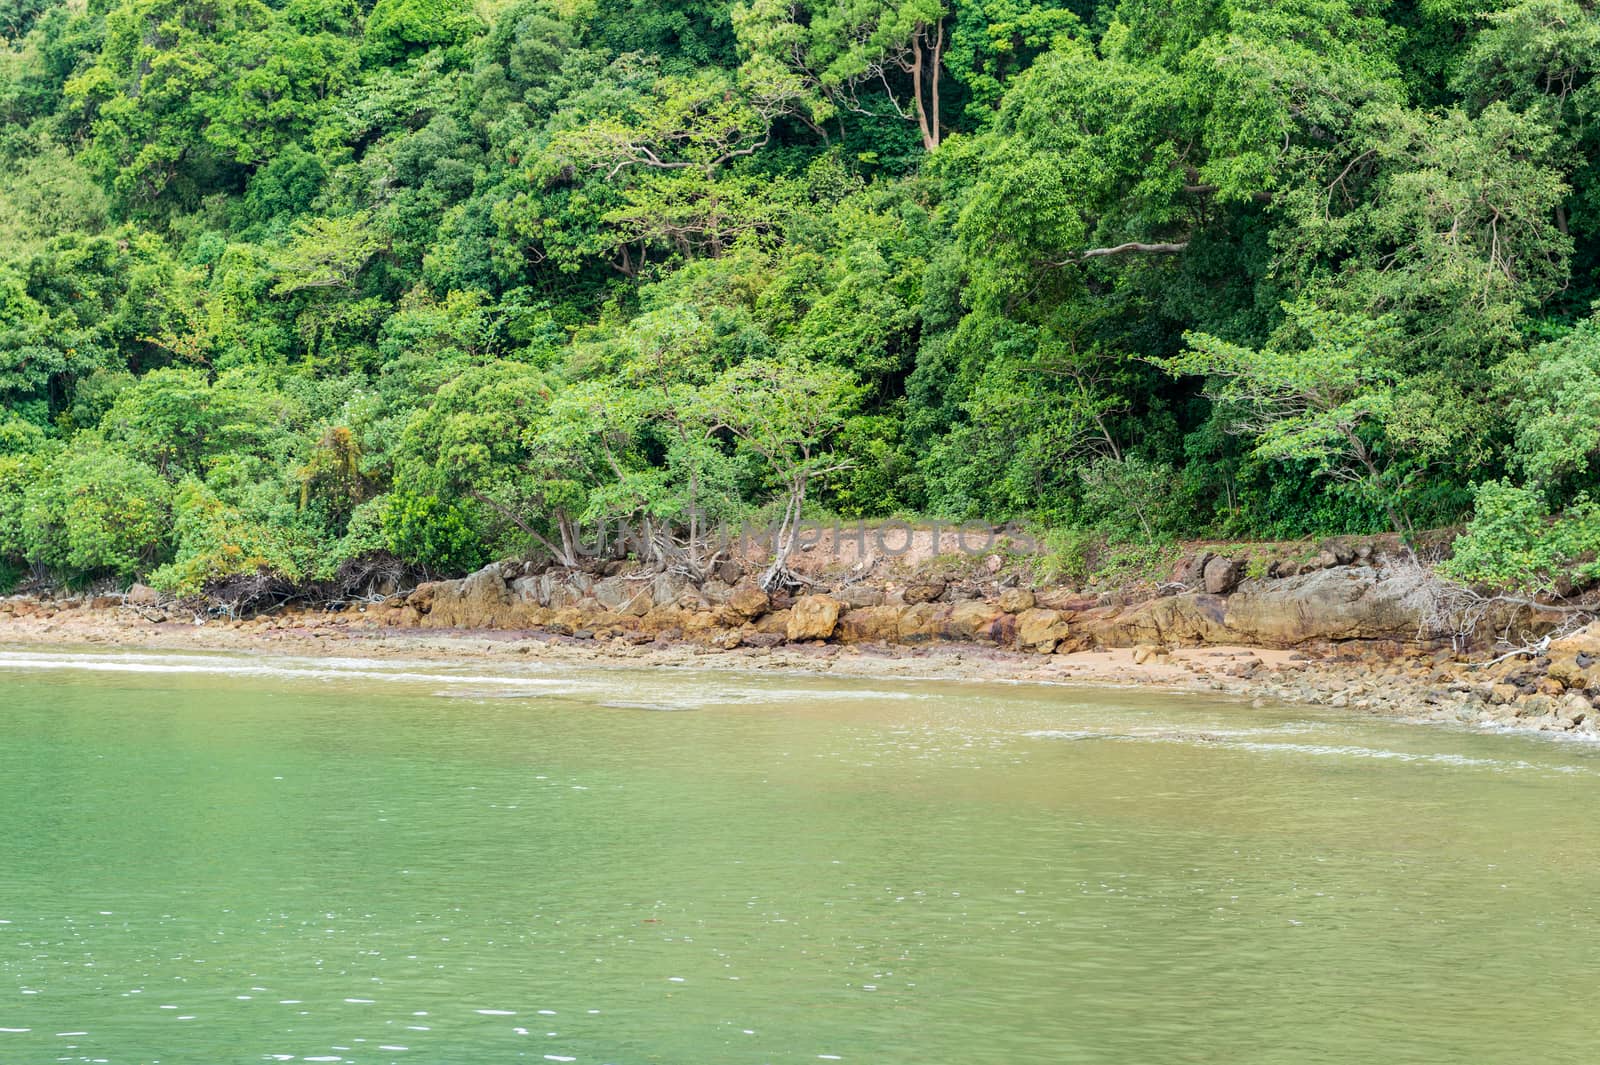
{"type": "Point", "coordinates": [286, 285]}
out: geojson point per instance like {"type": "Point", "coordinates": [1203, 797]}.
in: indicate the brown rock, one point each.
{"type": "Point", "coordinates": [973, 619]}
{"type": "Point", "coordinates": [777, 622]}
{"type": "Point", "coordinates": [1016, 600]}
{"type": "Point", "coordinates": [748, 601]}
{"type": "Point", "coordinates": [813, 617]}
{"type": "Point", "coordinates": [1222, 575]}
{"type": "Point", "coordinates": [924, 591]}
{"type": "Point", "coordinates": [1040, 630]}
{"type": "Point", "coordinates": [1331, 605]}
{"type": "Point", "coordinates": [1575, 658]}
{"type": "Point", "coordinates": [859, 595]}
{"type": "Point", "coordinates": [921, 623]}
{"type": "Point", "coordinates": [143, 595]}
{"type": "Point", "coordinates": [1192, 569]}
{"type": "Point", "coordinates": [1534, 705]}
{"type": "Point", "coordinates": [870, 624]}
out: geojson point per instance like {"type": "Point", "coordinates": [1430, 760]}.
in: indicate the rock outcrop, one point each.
{"type": "Point", "coordinates": [1330, 605]}
{"type": "Point", "coordinates": [1325, 604]}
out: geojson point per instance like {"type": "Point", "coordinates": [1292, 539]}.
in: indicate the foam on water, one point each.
{"type": "Point", "coordinates": [512, 684]}
{"type": "Point", "coordinates": [1235, 740]}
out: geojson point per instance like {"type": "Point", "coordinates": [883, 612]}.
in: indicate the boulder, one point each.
{"type": "Point", "coordinates": [924, 591]}
{"type": "Point", "coordinates": [870, 624]}
{"type": "Point", "coordinates": [1191, 570]}
{"type": "Point", "coordinates": [859, 595]}
{"type": "Point", "coordinates": [1362, 603]}
{"type": "Point", "coordinates": [973, 619]}
{"type": "Point", "coordinates": [624, 596]}
{"type": "Point", "coordinates": [748, 601]}
{"type": "Point", "coordinates": [775, 622]}
{"type": "Point", "coordinates": [1222, 575]}
{"type": "Point", "coordinates": [813, 617]}
{"type": "Point", "coordinates": [922, 622]}
{"type": "Point", "coordinates": [143, 595]}
{"type": "Point", "coordinates": [1575, 658]}
{"type": "Point", "coordinates": [1016, 600]}
{"type": "Point", "coordinates": [1039, 629]}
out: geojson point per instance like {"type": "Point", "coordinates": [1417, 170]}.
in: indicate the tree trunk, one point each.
{"type": "Point", "coordinates": [925, 67]}
{"type": "Point", "coordinates": [788, 536]}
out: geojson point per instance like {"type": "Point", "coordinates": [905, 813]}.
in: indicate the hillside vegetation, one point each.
{"type": "Point", "coordinates": [299, 288]}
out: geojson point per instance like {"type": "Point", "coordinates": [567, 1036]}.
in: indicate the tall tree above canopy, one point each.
{"type": "Point", "coordinates": [868, 57]}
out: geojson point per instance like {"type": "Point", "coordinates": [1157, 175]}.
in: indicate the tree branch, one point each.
{"type": "Point", "coordinates": [1124, 249]}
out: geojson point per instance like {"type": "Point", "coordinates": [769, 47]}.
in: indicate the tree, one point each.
{"type": "Point", "coordinates": [1552, 395]}
{"type": "Point", "coordinates": [94, 510]}
{"type": "Point", "coordinates": [853, 56]}
{"type": "Point", "coordinates": [1321, 392]}
{"type": "Point", "coordinates": [186, 94]}
{"type": "Point", "coordinates": [784, 412]}
{"type": "Point", "coordinates": [479, 437]}
{"type": "Point", "coordinates": [400, 29]}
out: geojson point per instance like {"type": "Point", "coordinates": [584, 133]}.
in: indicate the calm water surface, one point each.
{"type": "Point", "coordinates": [213, 859]}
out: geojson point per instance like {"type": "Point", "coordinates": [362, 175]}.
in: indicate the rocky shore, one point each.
{"type": "Point", "coordinates": [1349, 629]}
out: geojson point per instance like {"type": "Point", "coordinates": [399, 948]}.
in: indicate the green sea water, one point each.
{"type": "Point", "coordinates": [210, 859]}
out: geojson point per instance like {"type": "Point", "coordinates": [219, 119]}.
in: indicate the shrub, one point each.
{"type": "Point", "coordinates": [1512, 541]}
{"type": "Point", "coordinates": [97, 510]}
{"type": "Point", "coordinates": [429, 532]}
{"type": "Point", "coordinates": [216, 542]}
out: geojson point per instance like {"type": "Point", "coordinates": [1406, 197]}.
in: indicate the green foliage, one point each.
{"type": "Point", "coordinates": [286, 283]}
{"type": "Point", "coordinates": [95, 510]}
{"type": "Point", "coordinates": [215, 541]}
{"type": "Point", "coordinates": [398, 29]}
{"type": "Point", "coordinates": [1514, 543]}
{"type": "Point", "coordinates": [430, 533]}
{"type": "Point", "coordinates": [1553, 397]}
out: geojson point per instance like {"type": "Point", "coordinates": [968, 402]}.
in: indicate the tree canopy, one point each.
{"type": "Point", "coordinates": [287, 284]}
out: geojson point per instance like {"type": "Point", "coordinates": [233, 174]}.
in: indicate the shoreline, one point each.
{"type": "Point", "coordinates": [1414, 688]}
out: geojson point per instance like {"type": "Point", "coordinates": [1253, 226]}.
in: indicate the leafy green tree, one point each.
{"type": "Point", "coordinates": [18, 16]}
{"type": "Point", "coordinates": [94, 510]}
{"type": "Point", "coordinates": [399, 29]}
{"type": "Point", "coordinates": [479, 439]}
{"type": "Point", "coordinates": [1514, 543]}
{"type": "Point", "coordinates": [864, 57]}
{"type": "Point", "coordinates": [785, 413]}
{"type": "Point", "coordinates": [216, 543]}
{"type": "Point", "coordinates": [1321, 393]}
{"type": "Point", "coordinates": [429, 532]}
{"type": "Point", "coordinates": [1552, 395]}
{"type": "Point", "coordinates": [186, 94]}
